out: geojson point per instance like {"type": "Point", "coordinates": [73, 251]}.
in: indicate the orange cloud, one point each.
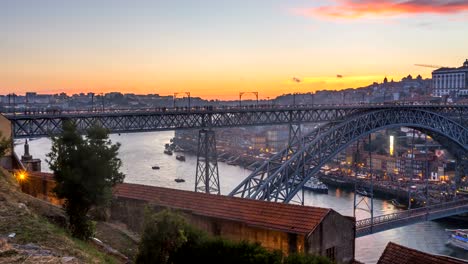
{"type": "Point", "coordinates": [353, 9]}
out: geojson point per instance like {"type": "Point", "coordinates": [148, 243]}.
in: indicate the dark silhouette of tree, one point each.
{"type": "Point", "coordinates": [85, 170]}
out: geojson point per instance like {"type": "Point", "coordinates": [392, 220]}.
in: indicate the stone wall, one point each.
{"type": "Point", "coordinates": [333, 238]}
{"type": "Point", "coordinates": [40, 187]}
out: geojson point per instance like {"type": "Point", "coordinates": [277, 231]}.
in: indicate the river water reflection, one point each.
{"type": "Point", "coordinates": [141, 151]}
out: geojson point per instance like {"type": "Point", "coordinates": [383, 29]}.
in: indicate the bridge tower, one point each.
{"type": "Point", "coordinates": [207, 175]}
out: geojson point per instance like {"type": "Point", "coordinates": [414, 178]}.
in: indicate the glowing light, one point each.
{"type": "Point", "coordinates": [21, 176]}
{"type": "Point", "coordinates": [392, 138]}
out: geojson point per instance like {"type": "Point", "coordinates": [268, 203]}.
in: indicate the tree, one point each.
{"type": "Point", "coordinates": [163, 234]}
{"type": "Point", "coordinates": [85, 170]}
{"type": "Point", "coordinates": [5, 144]}
{"type": "Point", "coordinates": [168, 238]}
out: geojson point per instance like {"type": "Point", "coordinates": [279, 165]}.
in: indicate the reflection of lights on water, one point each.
{"type": "Point", "coordinates": [338, 193]}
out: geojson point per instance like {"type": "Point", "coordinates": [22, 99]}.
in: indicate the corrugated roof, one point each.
{"type": "Point", "coordinates": [397, 254]}
{"type": "Point", "coordinates": [277, 216]}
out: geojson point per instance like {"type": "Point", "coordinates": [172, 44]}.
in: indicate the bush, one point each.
{"type": "Point", "coordinates": [168, 238]}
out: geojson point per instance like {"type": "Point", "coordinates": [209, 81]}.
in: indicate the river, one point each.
{"type": "Point", "coordinates": [140, 151]}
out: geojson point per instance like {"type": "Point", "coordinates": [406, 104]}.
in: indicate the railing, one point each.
{"type": "Point", "coordinates": [423, 213]}
{"type": "Point", "coordinates": [57, 111]}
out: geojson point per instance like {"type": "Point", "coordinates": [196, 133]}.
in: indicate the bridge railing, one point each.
{"type": "Point", "coordinates": [412, 213]}
{"type": "Point", "coordinates": [97, 110]}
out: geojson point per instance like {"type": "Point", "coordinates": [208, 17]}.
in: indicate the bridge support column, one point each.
{"type": "Point", "coordinates": [207, 175]}
{"type": "Point", "coordinates": [365, 189]}
{"type": "Point", "coordinates": [295, 135]}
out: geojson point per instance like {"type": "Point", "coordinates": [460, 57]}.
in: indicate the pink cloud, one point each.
{"type": "Point", "coordinates": [353, 9]}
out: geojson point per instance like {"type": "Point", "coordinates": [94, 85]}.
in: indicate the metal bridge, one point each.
{"type": "Point", "coordinates": [281, 177]}
{"type": "Point", "coordinates": [389, 221]}
{"type": "Point", "coordinates": [40, 124]}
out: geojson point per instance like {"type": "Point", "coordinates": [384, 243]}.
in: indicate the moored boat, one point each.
{"type": "Point", "coordinates": [459, 238]}
{"type": "Point", "coordinates": [155, 167]}
{"type": "Point", "coordinates": [397, 204]}
{"type": "Point", "coordinates": [168, 152]}
{"type": "Point", "coordinates": [315, 185]}
{"type": "Point", "coordinates": [363, 193]}
{"type": "Point", "coordinates": [180, 157]}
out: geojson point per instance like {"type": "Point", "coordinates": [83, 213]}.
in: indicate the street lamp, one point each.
{"type": "Point", "coordinates": [102, 99]}
{"type": "Point", "coordinates": [242, 93]}
{"type": "Point", "coordinates": [92, 102]}
{"type": "Point", "coordinates": [175, 95]}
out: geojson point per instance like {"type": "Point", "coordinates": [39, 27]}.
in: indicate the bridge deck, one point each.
{"type": "Point", "coordinates": [389, 221]}
{"type": "Point", "coordinates": [44, 123]}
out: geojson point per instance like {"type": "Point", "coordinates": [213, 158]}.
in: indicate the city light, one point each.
{"type": "Point", "coordinates": [391, 145]}
{"type": "Point", "coordinates": [21, 175]}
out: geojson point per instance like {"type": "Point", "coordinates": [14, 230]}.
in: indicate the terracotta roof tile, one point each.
{"type": "Point", "coordinates": [47, 176]}
{"type": "Point", "coordinates": [278, 216]}
{"type": "Point", "coordinates": [397, 254]}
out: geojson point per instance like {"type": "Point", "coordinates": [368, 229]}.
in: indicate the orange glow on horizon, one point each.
{"type": "Point", "coordinates": [206, 89]}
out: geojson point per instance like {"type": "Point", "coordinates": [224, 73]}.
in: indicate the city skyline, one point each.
{"type": "Point", "coordinates": [214, 49]}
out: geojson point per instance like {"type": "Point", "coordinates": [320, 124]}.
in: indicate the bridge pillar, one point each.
{"type": "Point", "coordinates": [207, 175]}
{"type": "Point", "coordinates": [365, 200]}
{"type": "Point", "coordinates": [295, 134]}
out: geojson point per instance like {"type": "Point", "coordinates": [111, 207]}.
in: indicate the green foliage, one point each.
{"type": "Point", "coordinates": [5, 144]}
{"type": "Point", "coordinates": [306, 259]}
{"type": "Point", "coordinates": [167, 238]}
{"type": "Point", "coordinates": [163, 234]}
{"type": "Point", "coordinates": [85, 169]}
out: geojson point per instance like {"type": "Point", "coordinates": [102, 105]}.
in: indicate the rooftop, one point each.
{"type": "Point", "coordinates": [397, 254]}
{"type": "Point", "coordinates": [276, 216]}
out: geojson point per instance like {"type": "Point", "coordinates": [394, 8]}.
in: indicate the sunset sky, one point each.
{"type": "Point", "coordinates": [215, 49]}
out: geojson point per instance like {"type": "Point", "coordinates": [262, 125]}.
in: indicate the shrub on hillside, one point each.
{"type": "Point", "coordinates": [168, 238]}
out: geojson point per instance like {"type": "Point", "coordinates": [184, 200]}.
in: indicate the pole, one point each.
{"type": "Point", "coordinates": [412, 172]}
{"type": "Point", "coordinates": [372, 183]}
{"type": "Point", "coordinates": [102, 99]}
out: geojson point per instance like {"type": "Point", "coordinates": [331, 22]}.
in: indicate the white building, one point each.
{"type": "Point", "coordinates": [451, 81]}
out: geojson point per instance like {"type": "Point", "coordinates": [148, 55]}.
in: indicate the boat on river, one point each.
{"type": "Point", "coordinates": [180, 157]}
{"type": "Point", "coordinates": [397, 204]}
{"type": "Point", "coordinates": [459, 238]}
{"type": "Point", "coordinates": [363, 192]}
{"type": "Point", "coordinates": [315, 185]}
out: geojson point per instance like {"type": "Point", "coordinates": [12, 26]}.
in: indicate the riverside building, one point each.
{"type": "Point", "coordinates": [451, 82]}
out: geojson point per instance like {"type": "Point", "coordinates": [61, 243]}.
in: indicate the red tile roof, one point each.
{"type": "Point", "coordinates": [43, 175]}
{"type": "Point", "coordinates": [397, 254]}
{"type": "Point", "coordinates": [277, 216]}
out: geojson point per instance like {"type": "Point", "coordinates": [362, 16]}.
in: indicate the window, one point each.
{"type": "Point", "coordinates": [330, 253]}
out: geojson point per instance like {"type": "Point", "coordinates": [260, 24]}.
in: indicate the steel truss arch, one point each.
{"type": "Point", "coordinates": [281, 177]}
